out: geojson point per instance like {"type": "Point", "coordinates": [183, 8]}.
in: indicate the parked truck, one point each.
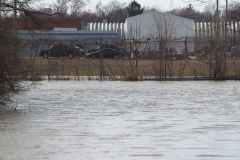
{"type": "Point", "coordinates": [61, 50]}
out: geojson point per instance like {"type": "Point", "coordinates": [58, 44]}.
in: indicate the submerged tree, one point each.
{"type": "Point", "coordinates": [11, 63]}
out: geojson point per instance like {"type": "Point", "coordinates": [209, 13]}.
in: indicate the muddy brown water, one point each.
{"type": "Point", "coordinates": [91, 120]}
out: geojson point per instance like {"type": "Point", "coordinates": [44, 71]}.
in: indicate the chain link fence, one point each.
{"type": "Point", "coordinates": [137, 60]}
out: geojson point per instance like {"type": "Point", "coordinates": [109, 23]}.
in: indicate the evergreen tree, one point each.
{"type": "Point", "coordinates": [134, 9]}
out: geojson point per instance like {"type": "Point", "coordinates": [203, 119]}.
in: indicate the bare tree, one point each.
{"type": "Point", "coordinates": [10, 62]}
{"type": "Point", "coordinates": [77, 5]}
{"type": "Point", "coordinates": [209, 11]}
{"type": "Point", "coordinates": [61, 7]}
{"type": "Point", "coordinates": [72, 7]}
{"type": "Point", "coordinates": [172, 46]}
{"type": "Point", "coordinates": [233, 11]}
{"type": "Point", "coordinates": [89, 17]}
{"type": "Point", "coordinates": [11, 46]}
{"type": "Point", "coordinates": [107, 11]}
{"type": "Point", "coordinates": [119, 15]}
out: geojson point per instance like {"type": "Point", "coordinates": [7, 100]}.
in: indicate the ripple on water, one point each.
{"type": "Point", "coordinates": [123, 120]}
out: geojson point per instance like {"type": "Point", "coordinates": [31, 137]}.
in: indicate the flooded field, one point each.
{"type": "Point", "coordinates": [91, 120]}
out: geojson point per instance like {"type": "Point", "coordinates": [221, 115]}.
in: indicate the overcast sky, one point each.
{"type": "Point", "coordinates": [164, 5]}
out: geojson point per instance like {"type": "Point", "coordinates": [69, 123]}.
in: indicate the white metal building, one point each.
{"type": "Point", "coordinates": [158, 25]}
{"type": "Point", "coordinates": [149, 25]}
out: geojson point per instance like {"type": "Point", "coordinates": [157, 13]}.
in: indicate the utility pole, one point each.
{"type": "Point", "coordinates": [0, 9]}
{"type": "Point", "coordinates": [234, 28]}
{"type": "Point", "coordinates": [171, 5]}
{"type": "Point", "coordinates": [226, 21]}
{"type": "Point", "coordinates": [225, 38]}
{"type": "Point", "coordinates": [15, 24]}
{"type": "Point", "coordinates": [217, 21]}
{"type": "Point", "coordinates": [48, 60]}
{"type": "Point", "coordinates": [15, 18]}
{"type": "Point", "coordinates": [101, 61]}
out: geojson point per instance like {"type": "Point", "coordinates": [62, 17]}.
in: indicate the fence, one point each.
{"type": "Point", "coordinates": [209, 29]}
{"type": "Point", "coordinates": [147, 60]}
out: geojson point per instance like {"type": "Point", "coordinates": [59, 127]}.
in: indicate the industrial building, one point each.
{"type": "Point", "coordinates": [158, 25]}
{"type": "Point", "coordinates": [152, 26]}
{"type": "Point", "coordinates": [48, 31]}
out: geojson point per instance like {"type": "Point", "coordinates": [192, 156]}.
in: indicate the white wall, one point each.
{"type": "Point", "coordinates": [104, 26]}
{"type": "Point", "coordinates": [156, 24]}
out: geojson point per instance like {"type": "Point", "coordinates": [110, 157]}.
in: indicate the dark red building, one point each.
{"type": "Point", "coordinates": [48, 23]}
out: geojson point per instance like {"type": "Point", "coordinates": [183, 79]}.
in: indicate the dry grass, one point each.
{"type": "Point", "coordinates": [127, 69]}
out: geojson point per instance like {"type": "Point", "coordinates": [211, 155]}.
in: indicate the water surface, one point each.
{"type": "Point", "coordinates": [91, 120]}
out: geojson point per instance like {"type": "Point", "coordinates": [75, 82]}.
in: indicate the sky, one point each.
{"type": "Point", "coordinates": [166, 5]}
{"type": "Point", "coordinates": [163, 5]}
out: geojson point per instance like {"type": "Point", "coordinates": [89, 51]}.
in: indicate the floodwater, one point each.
{"type": "Point", "coordinates": [91, 120]}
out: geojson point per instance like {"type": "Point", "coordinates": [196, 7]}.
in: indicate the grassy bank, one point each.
{"type": "Point", "coordinates": [128, 69]}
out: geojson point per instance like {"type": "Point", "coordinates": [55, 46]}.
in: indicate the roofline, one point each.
{"type": "Point", "coordinates": [69, 32]}
{"type": "Point", "coordinates": [160, 13]}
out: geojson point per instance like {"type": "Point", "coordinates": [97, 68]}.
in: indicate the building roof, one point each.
{"type": "Point", "coordinates": [48, 23]}
{"type": "Point", "coordinates": [158, 12]}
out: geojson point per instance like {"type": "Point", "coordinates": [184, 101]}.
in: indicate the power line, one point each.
{"type": "Point", "coordinates": [202, 4]}
{"type": "Point", "coordinates": [199, 3]}
{"type": "Point", "coordinates": [202, 1]}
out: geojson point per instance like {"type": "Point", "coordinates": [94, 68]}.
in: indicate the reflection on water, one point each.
{"type": "Point", "coordinates": [123, 120]}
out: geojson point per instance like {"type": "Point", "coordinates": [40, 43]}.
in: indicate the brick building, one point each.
{"type": "Point", "coordinates": [48, 23]}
